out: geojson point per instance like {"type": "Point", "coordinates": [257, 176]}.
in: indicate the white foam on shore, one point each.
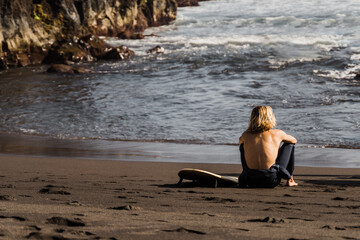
{"type": "Point", "coordinates": [348, 73]}
{"type": "Point", "coordinates": [27, 131]}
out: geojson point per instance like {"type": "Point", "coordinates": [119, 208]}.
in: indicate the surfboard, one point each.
{"type": "Point", "coordinates": [206, 178]}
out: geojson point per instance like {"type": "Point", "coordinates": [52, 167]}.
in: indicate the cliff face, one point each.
{"type": "Point", "coordinates": [28, 28]}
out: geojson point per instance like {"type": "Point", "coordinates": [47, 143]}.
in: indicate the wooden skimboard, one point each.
{"type": "Point", "coordinates": [205, 177]}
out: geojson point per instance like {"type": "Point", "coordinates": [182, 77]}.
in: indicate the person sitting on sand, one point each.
{"type": "Point", "coordinates": [264, 162]}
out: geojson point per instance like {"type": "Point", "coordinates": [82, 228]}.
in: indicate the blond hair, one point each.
{"type": "Point", "coordinates": [262, 119]}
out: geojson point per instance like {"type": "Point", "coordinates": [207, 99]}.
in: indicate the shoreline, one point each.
{"type": "Point", "coordinates": [29, 145]}
{"type": "Point", "coordinates": [68, 198]}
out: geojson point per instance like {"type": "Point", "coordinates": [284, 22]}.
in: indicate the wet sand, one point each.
{"type": "Point", "coordinates": [70, 198]}
{"type": "Point", "coordinates": [95, 149]}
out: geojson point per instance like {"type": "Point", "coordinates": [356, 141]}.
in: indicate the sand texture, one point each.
{"type": "Point", "coordinates": [54, 198]}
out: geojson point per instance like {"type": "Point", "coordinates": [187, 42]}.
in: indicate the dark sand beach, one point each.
{"type": "Point", "coordinates": [71, 198]}
{"type": "Point", "coordinates": [96, 155]}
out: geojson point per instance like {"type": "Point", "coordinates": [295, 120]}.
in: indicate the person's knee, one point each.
{"type": "Point", "coordinates": [285, 153]}
{"type": "Point", "coordinates": [288, 145]}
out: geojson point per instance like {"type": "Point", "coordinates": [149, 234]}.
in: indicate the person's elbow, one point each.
{"type": "Point", "coordinates": [293, 140]}
{"type": "Point", "coordinates": [290, 139]}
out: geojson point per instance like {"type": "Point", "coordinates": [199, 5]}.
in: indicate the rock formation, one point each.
{"type": "Point", "coordinates": [357, 76]}
{"type": "Point", "coordinates": [189, 3]}
{"type": "Point", "coordinates": [32, 30]}
{"type": "Point", "coordinates": [157, 49]}
{"type": "Point", "coordinates": [62, 68]}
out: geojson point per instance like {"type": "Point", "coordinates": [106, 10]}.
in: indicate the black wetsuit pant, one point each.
{"type": "Point", "coordinates": [282, 169]}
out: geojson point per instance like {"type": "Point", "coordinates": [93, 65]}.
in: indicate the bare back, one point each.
{"type": "Point", "coordinates": [261, 149]}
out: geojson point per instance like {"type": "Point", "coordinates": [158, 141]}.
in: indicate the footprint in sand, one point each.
{"type": "Point", "coordinates": [35, 227]}
{"type": "Point", "coordinates": [287, 195]}
{"type": "Point", "coordinates": [35, 235]}
{"type": "Point", "coordinates": [127, 208]}
{"type": "Point", "coordinates": [110, 182]}
{"type": "Point", "coordinates": [340, 228]}
{"type": "Point", "coordinates": [204, 213]}
{"type": "Point", "coordinates": [7, 198]}
{"type": "Point", "coordinates": [219, 200]}
{"type": "Point", "coordinates": [243, 229]}
{"type": "Point", "coordinates": [74, 203]}
{"type": "Point", "coordinates": [297, 239]}
{"type": "Point", "coordinates": [82, 233]}
{"type": "Point", "coordinates": [330, 190]}
{"type": "Point", "coordinates": [326, 227]}
{"type": "Point", "coordinates": [267, 220]}
{"type": "Point", "coordinates": [21, 219]}
{"type": "Point", "coordinates": [163, 221]}
{"type": "Point", "coordinates": [303, 219]}
{"type": "Point", "coordinates": [65, 222]}
{"type": "Point", "coordinates": [25, 196]}
{"type": "Point", "coordinates": [340, 199]}
{"type": "Point", "coordinates": [168, 191]}
{"type": "Point", "coordinates": [50, 189]}
{"type": "Point", "coordinates": [38, 235]}
{"type": "Point", "coordinates": [182, 229]}
{"type": "Point", "coordinates": [145, 196]}
{"type": "Point", "coordinates": [278, 203]}
{"type": "Point", "coordinates": [7, 186]}
{"type": "Point", "coordinates": [79, 214]}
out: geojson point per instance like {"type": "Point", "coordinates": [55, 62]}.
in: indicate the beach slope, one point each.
{"type": "Point", "coordinates": [68, 198]}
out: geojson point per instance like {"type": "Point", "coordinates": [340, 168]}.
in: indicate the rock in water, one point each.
{"type": "Point", "coordinates": [187, 3]}
{"type": "Point", "coordinates": [62, 68]}
{"type": "Point", "coordinates": [357, 76]}
{"type": "Point", "coordinates": [157, 49]}
{"type": "Point", "coordinates": [119, 53]}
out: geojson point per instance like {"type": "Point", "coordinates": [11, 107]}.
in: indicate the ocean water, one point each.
{"type": "Point", "coordinates": [220, 60]}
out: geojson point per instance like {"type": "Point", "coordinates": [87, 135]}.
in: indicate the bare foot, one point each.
{"type": "Point", "coordinates": [291, 182]}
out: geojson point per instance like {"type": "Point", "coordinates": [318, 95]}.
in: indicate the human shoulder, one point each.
{"type": "Point", "coordinates": [243, 136]}
{"type": "Point", "coordinates": [280, 134]}
{"type": "Point", "coordinates": [248, 134]}
{"type": "Point", "coordinates": [245, 133]}
{"type": "Point", "coordinates": [277, 132]}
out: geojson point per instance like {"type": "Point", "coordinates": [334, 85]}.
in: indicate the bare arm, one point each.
{"type": "Point", "coordinates": [288, 138]}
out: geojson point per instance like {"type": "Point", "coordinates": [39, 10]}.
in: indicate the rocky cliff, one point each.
{"type": "Point", "coordinates": [30, 28]}
{"type": "Point", "coordinates": [189, 3]}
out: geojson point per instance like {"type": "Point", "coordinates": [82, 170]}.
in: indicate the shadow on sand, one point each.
{"type": "Point", "coordinates": [333, 180]}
